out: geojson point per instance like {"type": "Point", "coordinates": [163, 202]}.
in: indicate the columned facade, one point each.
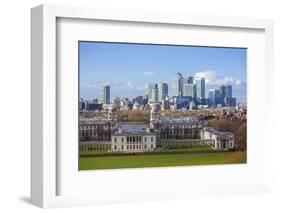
{"type": "Point", "coordinates": [222, 140]}
{"type": "Point", "coordinates": [133, 142]}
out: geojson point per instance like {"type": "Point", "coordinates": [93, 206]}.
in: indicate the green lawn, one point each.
{"type": "Point", "coordinates": [193, 149]}
{"type": "Point", "coordinates": [161, 160]}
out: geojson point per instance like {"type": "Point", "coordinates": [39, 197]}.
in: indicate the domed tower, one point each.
{"type": "Point", "coordinates": [111, 115]}
{"type": "Point", "coordinates": [154, 114]}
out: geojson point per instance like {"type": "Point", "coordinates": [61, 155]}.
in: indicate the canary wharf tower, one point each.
{"type": "Point", "coordinates": [177, 84]}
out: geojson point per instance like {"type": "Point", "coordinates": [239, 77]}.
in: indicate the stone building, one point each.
{"type": "Point", "coordinates": [162, 132]}
{"type": "Point", "coordinates": [177, 128]}
{"type": "Point", "coordinates": [222, 140]}
{"type": "Point", "coordinates": [133, 139]}
{"type": "Point", "coordinates": [95, 129]}
{"type": "Point", "coordinates": [174, 128]}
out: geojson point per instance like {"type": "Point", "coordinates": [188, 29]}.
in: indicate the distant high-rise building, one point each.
{"type": "Point", "coordinates": [226, 91]}
{"type": "Point", "coordinates": [177, 84]}
{"type": "Point", "coordinates": [230, 102]}
{"type": "Point", "coordinates": [101, 97]}
{"type": "Point", "coordinates": [106, 94]}
{"type": "Point", "coordinates": [162, 90]}
{"type": "Point", "coordinates": [150, 87]}
{"type": "Point", "coordinates": [184, 81]}
{"type": "Point", "coordinates": [188, 90]}
{"type": "Point", "coordinates": [190, 80]}
{"type": "Point", "coordinates": [200, 88]}
{"type": "Point", "coordinates": [155, 93]}
{"type": "Point", "coordinates": [226, 96]}
{"type": "Point", "coordinates": [214, 97]}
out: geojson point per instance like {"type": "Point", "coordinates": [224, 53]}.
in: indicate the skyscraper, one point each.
{"type": "Point", "coordinates": [162, 90]}
{"type": "Point", "coordinates": [106, 94]}
{"type": "Point", "coordinates": [190, 80]}
{"type": "Point", "coordinates": [226, 91]}
{"type": "Point", "coordinates": [188, 90]}
{"type": "Point", "coordinates": [200, 88]}
{"type": "Point", "coordinates": [155, 93]}
{"type": "Point", "coordinates": [150, 87]}
{"type": "Point", "coordinates": [214, 97]}
{"type": "Point", "coordinates": [184, 81]}
{"type": "Point", "coordinates": [177, 84]}
{"type": "Point", "coordinates": [226, 96]}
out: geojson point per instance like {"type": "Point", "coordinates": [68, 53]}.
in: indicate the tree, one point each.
{"type": "Point", "coordinates": [241, 136]}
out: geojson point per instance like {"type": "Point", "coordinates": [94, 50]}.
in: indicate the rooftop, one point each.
{"type": "Point", "coordinates": [178, 75]}
{"type": "Point", "coordinates": [219, 134]}
{"type": "Point", "coordinates": [96, 120]}
{"type": "Point", "coordinates": [132, 129]}
{"type": "Point", "coordinates": [169, 120]}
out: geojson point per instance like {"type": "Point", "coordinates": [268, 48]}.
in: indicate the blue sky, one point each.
{"type": "Point", "coordinates": [128, 68]}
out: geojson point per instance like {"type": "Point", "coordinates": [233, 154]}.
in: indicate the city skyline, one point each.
{"type": "Point", "coordinates": [138, 65]}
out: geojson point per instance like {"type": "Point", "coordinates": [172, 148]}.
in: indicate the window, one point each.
{"type": "Point", "coordinates": [115, 140]}
{"type": "Point", "coordinates": [151, 139]}
{"type": "Point", "coordinates": [144, 146]}
{"type": "Point", "coordinates": [122, 147]}
{"type": "Point", "coordinates": [144, 139]}
{"type": "Point", "coordinates": [115, 147]}
{"type": "Point", "coordinates": [122, 139]}
{"type": "Point", "coordinates": [151, 146]}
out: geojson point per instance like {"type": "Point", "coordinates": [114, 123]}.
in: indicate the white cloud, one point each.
{"type": "Point", "coordinates": [147, 73]}
{"type": "Point", "coordinates": [212, 78]}
{"type": "Point", "coordinates": [121, 89]}
{"type": "Point", "coordinates": [238, 82]}
{"type": "Point", "coordinates": [209, 75]}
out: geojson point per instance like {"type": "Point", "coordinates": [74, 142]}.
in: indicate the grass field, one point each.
{"type": "Point", "coordinates": [161, 160]}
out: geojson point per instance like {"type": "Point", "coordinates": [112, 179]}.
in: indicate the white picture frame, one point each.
{"type": "Point", "coordinates": [44, 148]}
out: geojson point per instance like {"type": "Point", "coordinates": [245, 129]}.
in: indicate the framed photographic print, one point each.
{"type": "Point", "coordinates": [136, 112]}
{"type": "Point", "coordinates": [151, 106]}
